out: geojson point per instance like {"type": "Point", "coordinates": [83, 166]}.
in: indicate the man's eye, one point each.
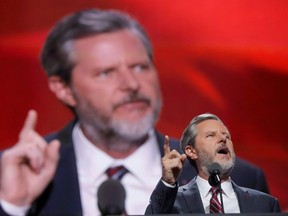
{"type": "Point", "coordinates": [140, 67]}
{"type": "Point", "coordinates": [105, 73]}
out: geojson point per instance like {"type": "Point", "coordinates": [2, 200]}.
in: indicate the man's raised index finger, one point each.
{"type": "Point", "coordinates": [166, 145]}
{"type": "Point", "coordinates": [30, 122]}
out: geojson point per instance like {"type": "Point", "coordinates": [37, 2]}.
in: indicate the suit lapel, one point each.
{"type": "Point", "coordinates": [67, 175]}
{"type": "Point", "coordinates": [243, 199]}
{"type": "Point", "coordinates": [62, 197]}
{"type": "Point", "coordinates": [190, 200]}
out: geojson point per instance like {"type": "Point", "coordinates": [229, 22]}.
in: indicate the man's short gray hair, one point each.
{"type": "Point", "coordinates": [57, 54]}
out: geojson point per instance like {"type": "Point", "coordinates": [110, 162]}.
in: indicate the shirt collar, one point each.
{"type": "Point", "coordinates": [204, 187]}
{"type": "Point", "coordinates": [144, 159]}
{"type": "Point", "coordinates": [93, 162]}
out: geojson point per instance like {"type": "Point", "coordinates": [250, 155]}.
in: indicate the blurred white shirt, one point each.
{"type": "Point", "coordinates": [144, 167]}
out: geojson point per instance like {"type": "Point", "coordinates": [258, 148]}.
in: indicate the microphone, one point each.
{"type": "Point", "coordinates": [111, 198]}
{"type": "Point", "coordinates": [215, 170]}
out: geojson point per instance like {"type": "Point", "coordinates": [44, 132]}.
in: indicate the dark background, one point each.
{"type": "Point", "coordinates": [225, 57]}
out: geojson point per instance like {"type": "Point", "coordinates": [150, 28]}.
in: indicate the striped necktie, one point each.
{"type": "Point", "coordinates": [215, 205]}
{"type": "Point", "coordinates": [116, 173]}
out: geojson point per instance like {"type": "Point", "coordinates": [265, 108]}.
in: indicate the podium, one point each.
{"type": "Point", "coordinates": [228, 214]}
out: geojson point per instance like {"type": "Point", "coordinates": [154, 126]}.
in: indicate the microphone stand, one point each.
{"type": "Point", "coordinates": [221, 198]}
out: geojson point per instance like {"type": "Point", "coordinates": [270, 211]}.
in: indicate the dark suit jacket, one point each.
{"type": "Point", "coordinates": [186, 199]}
{"type": "Point", "coordinates": [62, 196]}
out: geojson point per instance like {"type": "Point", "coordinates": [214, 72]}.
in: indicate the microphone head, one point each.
{"type": "Point", "coordinates": [215, 170]}
{"type": "Point", "coordinates": [111, 197]}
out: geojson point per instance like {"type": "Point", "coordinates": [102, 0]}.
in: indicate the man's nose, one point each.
{"type": "Point", "coordinates": [129, 80]}
{"type": "Point", "coordinates": [222, 137]}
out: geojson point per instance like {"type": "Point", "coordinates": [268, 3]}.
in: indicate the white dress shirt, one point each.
{"type": "Point", "coordinates": [230, 201]}
{"type": "Point", "coordinates": [144, 167]}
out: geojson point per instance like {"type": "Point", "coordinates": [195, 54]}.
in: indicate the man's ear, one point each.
{"type": "Point", "coordinates": [191, 152]}
{"type": "Point", "coordinates": [62, 91]}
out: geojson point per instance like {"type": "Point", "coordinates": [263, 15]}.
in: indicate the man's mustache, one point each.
{"type": "Point", "coordinates": [133, 98]}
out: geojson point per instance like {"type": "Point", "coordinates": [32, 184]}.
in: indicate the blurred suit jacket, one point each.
{"type": "Point", "coordinates": [62, 196]}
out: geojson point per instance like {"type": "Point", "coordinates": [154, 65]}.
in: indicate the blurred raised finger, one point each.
{"type": "Point", "coordinates": [29, 123]}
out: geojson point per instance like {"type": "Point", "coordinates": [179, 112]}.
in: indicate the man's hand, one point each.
{"type": "Point", "coordinates": [172, 163]}
{"type": "Point", "coordinates": [28, 167]}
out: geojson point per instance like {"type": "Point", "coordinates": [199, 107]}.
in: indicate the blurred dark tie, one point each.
{"type": "Point", "coordinates": [215, 205]}
{"type": "Point", "coordinates": [116, 173]}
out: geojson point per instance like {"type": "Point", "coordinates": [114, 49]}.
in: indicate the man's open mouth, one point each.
{"type": "Point", "coordinates": [223, 150]}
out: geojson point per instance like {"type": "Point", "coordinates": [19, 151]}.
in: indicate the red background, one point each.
{"type": "Point", "coordinates": [225, 57]}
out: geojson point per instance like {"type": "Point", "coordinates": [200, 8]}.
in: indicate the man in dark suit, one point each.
{"type": "Point", "coordinates": [100, 64]}
{"type": "Point", "coordinates": [207, 144]}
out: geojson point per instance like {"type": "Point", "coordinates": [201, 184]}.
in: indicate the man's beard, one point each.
{"type": "Point", "coordinates": [103, 128]}
{"type": "Point", "coordinates": [205, 161]}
